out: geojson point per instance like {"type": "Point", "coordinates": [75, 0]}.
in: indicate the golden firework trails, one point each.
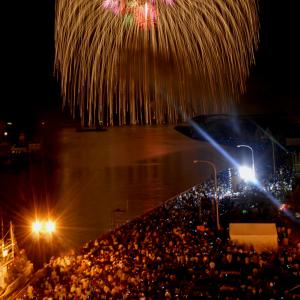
{"type": "Point", "coordinates": [142, 62]}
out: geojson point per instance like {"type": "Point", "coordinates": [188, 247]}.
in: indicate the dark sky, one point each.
{"type": "Point", "coordinates": [274, 81]}
{"type": "Point", "coordinates": [29, 85]}
{"type": "Point", "coordinates": [29, 89]}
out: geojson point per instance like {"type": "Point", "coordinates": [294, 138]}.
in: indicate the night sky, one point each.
{"type": "Point", "coordinates": [29, 90]}
{"type": "Point", "coordinates": [274, 81]}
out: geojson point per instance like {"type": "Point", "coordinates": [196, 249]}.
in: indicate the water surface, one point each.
{"type": "Point", "coordinates": [92, 181]}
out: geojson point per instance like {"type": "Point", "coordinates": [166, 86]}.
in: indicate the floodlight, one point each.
{"type": "Point", "coordinates": [36, 227]}
{"type": "Point", "coordinates": [50, 226]}
{"type": "Point", "coordinates": [247, 174]}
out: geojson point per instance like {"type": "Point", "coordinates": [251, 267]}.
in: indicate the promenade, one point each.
{"type": "Point", "coordinates": [165, 255]}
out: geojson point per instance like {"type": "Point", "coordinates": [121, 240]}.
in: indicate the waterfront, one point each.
{"type": "Point", "coordinates": [82, 178]}
{"type": "Point", "coordinates": [165, 254]}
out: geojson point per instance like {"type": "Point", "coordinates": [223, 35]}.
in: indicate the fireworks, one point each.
{"type": "Point", "coordinates": [153, 61]}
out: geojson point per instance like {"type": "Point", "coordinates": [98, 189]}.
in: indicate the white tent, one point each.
{"type": "Point", "coordinates": [262, 236]}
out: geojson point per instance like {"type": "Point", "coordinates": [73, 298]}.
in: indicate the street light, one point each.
{"type": "Point", "coordinates": [216, 185]}
{"type": "Point", "coordinates": [43, 227]}
{"type": "Point", "coordinates": [267, 134]}
{"type": "Point", "coordinates": [252, 155]}
{"type": "Point", "coordinates": [247, 174]}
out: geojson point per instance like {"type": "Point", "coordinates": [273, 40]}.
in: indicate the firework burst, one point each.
{"type": "Point", "coordinates": [140, 62]}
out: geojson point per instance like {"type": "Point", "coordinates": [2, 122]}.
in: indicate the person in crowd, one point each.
{"type": "Point", "coordinates": [166, 254]}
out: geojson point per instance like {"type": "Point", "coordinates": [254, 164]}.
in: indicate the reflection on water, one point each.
{"type": "Point", "coordinates": [86, 177]}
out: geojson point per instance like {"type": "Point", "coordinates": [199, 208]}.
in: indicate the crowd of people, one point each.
{"type": "Point", "coordinates": [174, 252]}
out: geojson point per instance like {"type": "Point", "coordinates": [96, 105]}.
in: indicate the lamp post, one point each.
{"type": "Point", "coordinates": [273, 155]}
{"type": "Point", "coordinates": [268, 134]}
{"type": "Point", "coordinates": [216, 185]}
{"type": "Point", "coordinates": [252, 155]}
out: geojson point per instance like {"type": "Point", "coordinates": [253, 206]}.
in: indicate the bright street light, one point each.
{"type": "Point", "coordinates": [247, 174]}
{"type": "Point", "coordinates": [36, 227]}
{"type": "Point", "coordinates": [50, 226]}
{"type": "Point", "coordinates": [252, 155]}
{"type": "Point", "coordinates": [42, 227]}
